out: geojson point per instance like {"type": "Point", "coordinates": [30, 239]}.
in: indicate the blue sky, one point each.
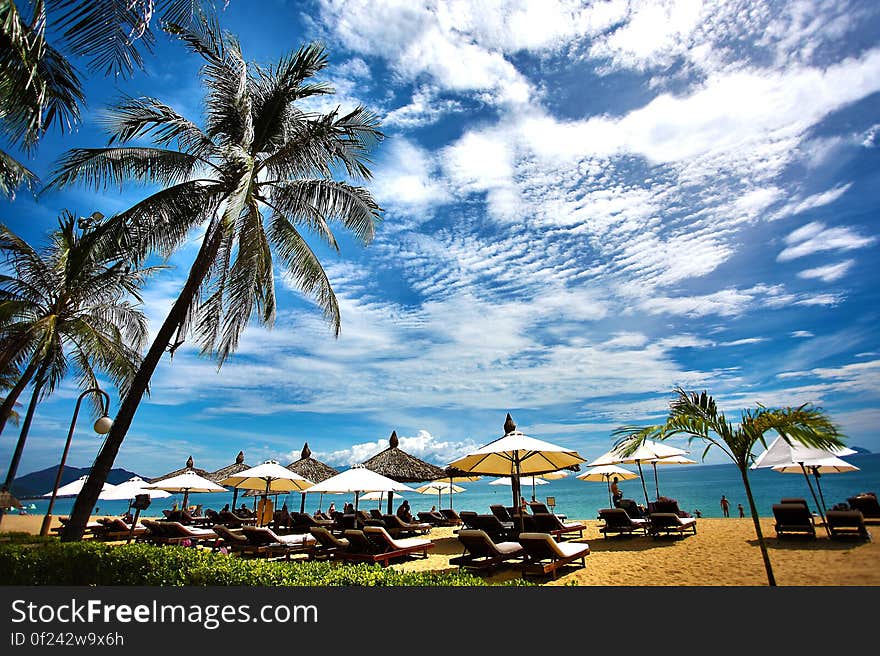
{"type": "Point", "coordinates": [585, 206]}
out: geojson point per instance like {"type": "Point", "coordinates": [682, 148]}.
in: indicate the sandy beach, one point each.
{"type": "Point", "coordinates": [724, 552]}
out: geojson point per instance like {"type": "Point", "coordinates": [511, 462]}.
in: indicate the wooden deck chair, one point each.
{"type": "Point", "coordinates": [481, 552]}
{"type": "Point", "coordinates": [671, 524]}
{"type": "Point", "coordinates": [544, 555]}
{"type": "Point", "coordinates": [618, 521]}
{"type": "Point", "coordinates": [550, 523]}
{"type": "Point", "coordinates": [327, 546]}
{"type": "Point", "coordinates": [793, 519]}
{"type": "Point", "coordinates": [847, 523]}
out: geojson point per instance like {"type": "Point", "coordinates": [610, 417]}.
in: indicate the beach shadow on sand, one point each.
{"type": "Point", "coordinates": [808, 543]}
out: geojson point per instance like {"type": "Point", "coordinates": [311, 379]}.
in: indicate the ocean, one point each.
{"type": "Point", "coordinates": [696, 487]}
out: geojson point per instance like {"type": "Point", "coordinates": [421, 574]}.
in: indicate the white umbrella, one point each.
{"type": "Point", "coordinates": [516, 454]}
{"type": "Point", "coordinates": [74, 488]}
{"type": "Point", "coordinates": [376, 496]}
{"type": "Point", "coordinates": [604, 473]}
{"type": "Point", "coordinates": [648, 451]}
{"type": "Point", "coordinates": [129, 489]}
{"type": "Point", "coordinates": [186, 482]}
{"type": "Point", "coordinates": [440, 487]}
{"type": "Point", "coordinates": [782, 453]}
{"type": "Point", "coordinates": [524, 480]}
{"type": "Point", "coordinates": [358, 480]}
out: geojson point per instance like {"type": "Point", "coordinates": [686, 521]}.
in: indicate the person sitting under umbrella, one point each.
{"type": "Point", "coordinates": [404, 513]}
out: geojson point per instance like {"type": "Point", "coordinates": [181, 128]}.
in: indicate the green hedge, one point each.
{"type": "Point", "coordinates": [92, 563]}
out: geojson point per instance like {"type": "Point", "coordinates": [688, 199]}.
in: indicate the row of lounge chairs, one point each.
{"type": "Point", "coordinates": [507, 527]}
{"type": "Point", "coordinates": [616, 521]}
{"type": "Point", "coordinates": [792, 517]}
{"type": "Point", "coordinates": [372, 544]}
{"type": "Point", "coordinates": [534, 553]}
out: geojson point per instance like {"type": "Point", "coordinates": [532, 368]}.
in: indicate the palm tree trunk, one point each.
{"type": "Point", "coordinates": [22, 437]}
{"type": "Point", "coordinates": [9, 402]}
{"type": "Point", "coordinates": [771, 580]}
{"type": "Point", "coordinates": [88, 496]}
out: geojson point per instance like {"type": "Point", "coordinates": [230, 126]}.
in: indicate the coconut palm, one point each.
{"type": "Point", "coordinates": [259, 172]}
{"type": "Point", "coordinates": [66, 307]}
{"type": "Point", "coordinates": [697, 416]}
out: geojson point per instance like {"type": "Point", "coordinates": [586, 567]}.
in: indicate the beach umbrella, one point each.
{"type": "Point", "coordinates": [187, 482]}
{"type": "Point", "coordinates": [188, 467]}
{"type": "Point", "coordinates": [669, 460]}
{"type": "Point", "coordinates": [268, 478]}
{"type": "Point", "coordinates": [357, 481]}
{"type": "Point", "coordinates": [439, 487]}
{"type": "Point", "coordinates": [648, 452]}
{"type": "Point", "coordinates": [128, 490]}
{"type": "Point", "coordinates": [7, 500]}
{"type": "Point", "coordinates": [453, 475]}
{"type": "Point", "coordinates": [239, 465]}
{"type": "Point", "coordinates": [398, 465]}
{"type": "Point", "coordinates": [314, 470]}
{"type": "Point", "coordinates": [376, 496]}
{"type": "Point", "coordinates": [606, 473]}
{"type": "Point", "coordinates": [784, 453]}
{"type": "Point", "coordinates": [516, 454]}
{"type": "Point", "coordinates": [74, 488]}
{"type": "Point", "coordinates": [829, 465]}
{"type": "Point", "coordinates": [524, 480]}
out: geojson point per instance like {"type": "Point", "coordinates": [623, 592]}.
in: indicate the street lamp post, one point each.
{"type": "Point", "coordinates": [102, 427]}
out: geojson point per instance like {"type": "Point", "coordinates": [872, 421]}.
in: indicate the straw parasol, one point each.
{"type": "Point", "coordinates": [515, 454]}
{"type": "Point", "coordinates": [177, 472]}
{"type": "Point", "coordinates": [7, 500]}
{"type": "Point", "coordinates": [400, 466]}
{"type": "Point", "coordinates": [314, 470]}
{"type": "Point", "coordinates": [224, 472]}
{"type": "Point", "coordinates": [605, 473]}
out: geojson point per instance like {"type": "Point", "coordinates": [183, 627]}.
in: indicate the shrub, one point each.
{"type": "Point", "coordinates": [93, 563]}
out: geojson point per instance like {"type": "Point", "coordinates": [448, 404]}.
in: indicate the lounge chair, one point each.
{"type": "Point", "coordinates": [793, 518]}
{"type": "Point", "coordinates": [399, 528]}
{"type": "Point", "coordinates": [867, 504]}
{"type": "Point", "coordinates": [671, 524]}
{"type": "Point", "coordinates": [231, 520]}
{"type": "Point", "coordinates": [618, 521]}
{"type": "Point", "coordinates": [497, 530]}
{"type": "Point", "coordinates": [117, 529]}
{"type": "Point", "coordinates": [501, 513]}
{"type": "Point", "coordinates": [304, 522]}
{"type": "Point", "coordinates": [92, 528]}
{"type": "Point", "coordinates": [268, 543]}
{"type": "Point", "coordinates": [375, 513]}
{"type": "Point", "coordinates": [400, 546]}
{"type": "Point", "coordinates": [167, 532]}
{"type": "Point", "coordinates": [539, 507]}
{"type": "Point", "coordinates": [667, 505]}
{"type": "Point", "coordinates": [327, 546]}
{"type": "Point", "coordinates": [451, 516]}
{"type": "Point", "coordinates": [847, 523]}
{"type": "Point", "coordinates": [433, 518]}
{"type": "Point", "coordinates": [544, 555]}
{"type": "Point", "coordinates": [363, 549]}
{"type": "Point", "coordinates": [798, 500]}
{"type": "Point", "coordinates": [550, 523]}
{"type": "Point", "coordinates": [481, 552]}
{"type": "Point", "coordinates": [231, 539]}
{"type": "Point", "coordinates": [468, 519]}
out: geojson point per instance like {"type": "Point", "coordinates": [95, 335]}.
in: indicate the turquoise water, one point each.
{"type": "Point", "coordinates": [694, 486]}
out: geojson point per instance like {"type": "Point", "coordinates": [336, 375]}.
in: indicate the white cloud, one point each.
{"type": "Point", "coordinates": [814, 237]}
{"type": "Point", "coordinates": [829, 272]}
{"type": "Point", "coordinates": [422, 445]}
{"type": "Point", "coordinates": [813, 201]}
{"type": "Point", "coordinates": [744, 341]}
{"type": "Point", "coordinates": [802, 333]}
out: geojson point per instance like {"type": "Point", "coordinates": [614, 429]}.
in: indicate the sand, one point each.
{"type": "Point", "coordinates": [724, 552]}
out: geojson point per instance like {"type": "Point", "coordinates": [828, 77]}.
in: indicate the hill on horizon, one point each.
{"type": "Point", "coordinates": [37, 483]}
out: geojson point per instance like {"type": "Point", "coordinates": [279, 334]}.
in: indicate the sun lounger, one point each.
{"type": "Point", "coordinates": [386, 544]}
{"type": "Point", "coordinates": [544, 555]}
{"type": "Point", "coordinates": [501, 513]}
{"type": "Point", "coordinates": [847, 523]}
{"type": "Point", "coordinates": [179, 533]}
{"type": "Point", "coordinates": [671, 524]}
{"type": "Point", "coordinates": [327, 546]}
{"type": "Point", "coordinates": [269, 543]}
{"type": "Point", "coordinates": [798, 500]}
{"type": "Point", "coordinates": [399, 528]}
{"type": "Point", "coordinates": [433, 518]}
{"type": "Point", "coordinates": [497, 530]}
{"type": "Point", "coordinates": [481, 552]}
{"type": "Point", "coordinates": [468, 519]}
{"type": "Point", "coordinates": [618, 521]}
{"type": "Point", "coordinates": [793, 518]}
{"type": "Point", "coordinates": [550, 523]}
{"type": "Point", "coordinates": [867, 504]}
{"type": "Point", "coordinates": [363, 548]}
{"type": "Point", "coordinates": [539, 507]}
{"type": "Point", "coordinates": [451, 515]}
{"type": "Point", "coordinates": [233, 540]}
{"type": "Point", "coordinates": [117, 529]}
{"type": "Point", "coordinates": [231, 520]}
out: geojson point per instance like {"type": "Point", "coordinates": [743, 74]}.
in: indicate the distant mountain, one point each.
{"type": "Point", "coordinates": [37, 483]}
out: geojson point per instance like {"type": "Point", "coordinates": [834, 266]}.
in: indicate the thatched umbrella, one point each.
{"type": "Point", "coordinates": [177, 472]}
{"type": "Point", "coordinates": [230, 470]}
{"type": "Point", "coordinates": [314, 470]}
{"type": "Point", "coordinates": [7, 500]}
{"type": "Point", "coordinates": [402, 467]}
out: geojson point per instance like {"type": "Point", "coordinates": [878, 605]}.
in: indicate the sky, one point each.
{"type": "Point", "coordinates": [585, 205]}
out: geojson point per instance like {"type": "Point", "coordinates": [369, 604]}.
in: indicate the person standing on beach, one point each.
{"type": "Point", "coordinates": [725, 506]}
{"type": "Point", "coordinates": [616, 494]}
{"type": "Point", "coordinates": [739, 507]}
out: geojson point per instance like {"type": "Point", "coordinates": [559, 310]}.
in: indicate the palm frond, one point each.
{"type": "Point", "coordinates": [101, 168]}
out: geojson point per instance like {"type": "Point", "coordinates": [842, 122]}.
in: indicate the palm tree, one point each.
{"type": "Point", "coordinates": [260, 171]}
{"type": "Point", "coordinates": [66, 307]}
{"type": "Point", "coordinates": [697, 416]}
{"type": "Point", "coordinates": [39, 87]}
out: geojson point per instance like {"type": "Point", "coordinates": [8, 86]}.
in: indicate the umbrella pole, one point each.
{"type": "Point", "coordinates": [390, 497]}
{"type": "Point", "coordinates": [817, 475]}
{"type": "Point", "coordinates": [818, 507]}
{"type": "Point", "coordinates": [356, 495]}
{"type": "Point", "coordinates": [302, 503]}
{"type": "Point", "coordinates": [533, 487]}
{"type": "Point", "coordinates": [516, 495]}
{"type": "Point", "coordinates": [608, 483]}
{"type": "Point", "coordinates": [185, 499]}
{"type": "Point", "coordinates": [644, 487]}
{"type": "Point", "coordinates": [656, 481]}
{"type": "Point", "coordinates": [234, 497]}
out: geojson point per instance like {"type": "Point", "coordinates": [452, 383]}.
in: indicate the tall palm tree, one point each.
{"type": "Point", "coordinates": [66, 307]}
{"type": "Point", "coordinates": [697, 416]}
{"type": "Point", "coordinates": [259, 172]}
